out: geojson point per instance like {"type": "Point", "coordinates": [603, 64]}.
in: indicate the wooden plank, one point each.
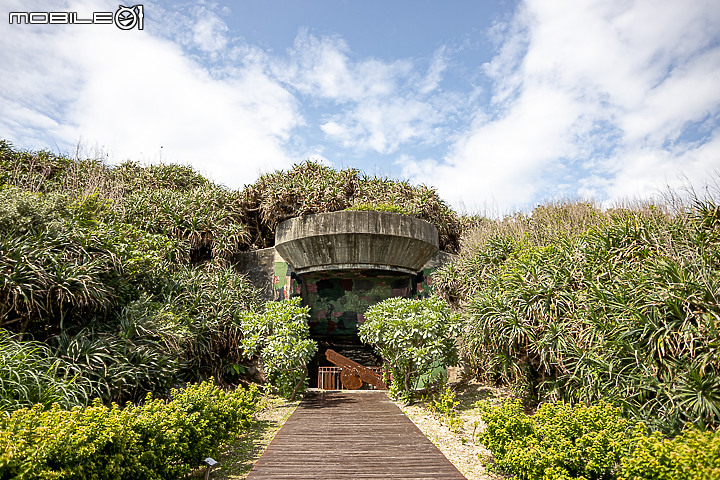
{"type": "Point", "coordinates": [351, 435]}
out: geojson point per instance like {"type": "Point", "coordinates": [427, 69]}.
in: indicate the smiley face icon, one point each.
{"type": "Point", "coordinates": [127, 18]}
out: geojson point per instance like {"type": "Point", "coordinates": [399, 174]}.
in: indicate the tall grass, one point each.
{"type": "Point", "coordinates": [311, 187]}
{"type": "Point", "coordinates": [120, 273]}
{"type": "Point", "coordinates": [578, 304]}
{"type": "Point", "coordinates": [31, 374]}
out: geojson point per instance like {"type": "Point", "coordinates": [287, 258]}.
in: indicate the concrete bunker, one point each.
{"type": "Point", "coordinates": [341, 263]}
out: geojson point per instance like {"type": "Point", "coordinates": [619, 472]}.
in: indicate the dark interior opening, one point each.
{"type": "Point", "coordinates": [338, 299]}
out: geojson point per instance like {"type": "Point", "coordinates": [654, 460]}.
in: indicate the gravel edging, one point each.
{"type": "Point", "coordinates": [459, 448]}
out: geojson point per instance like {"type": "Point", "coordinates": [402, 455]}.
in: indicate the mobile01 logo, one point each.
{"type": "Point", "coordinates": [125, 18]}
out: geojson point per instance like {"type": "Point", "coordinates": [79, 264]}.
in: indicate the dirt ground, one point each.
{"type": "Point", "coordinates": [459, 446]}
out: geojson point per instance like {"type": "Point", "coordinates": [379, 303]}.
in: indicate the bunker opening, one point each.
{"type": "Point", "coordinates": [341, 263]}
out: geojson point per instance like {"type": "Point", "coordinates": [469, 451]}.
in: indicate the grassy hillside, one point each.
{"type": "Point", "coordinates": [116, 280]}
{"type": "Point", "coordinates": [574, 303]}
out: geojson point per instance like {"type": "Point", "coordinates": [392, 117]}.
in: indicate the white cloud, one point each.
{"type": "Point", "coordinates": [602, 90]}
{"type": "Point", "coordinates": [381, 106]}
{"type": "Point", "coordinates": [322, 67]}
{"type": "Point", "coordinates": [434, 75]}
{"type": "Point", "coordinates": [133, 93]}
{"type": "Point", "coordinates": [209, 31]}
{"type": "Point", "coordinates": [383, 125]}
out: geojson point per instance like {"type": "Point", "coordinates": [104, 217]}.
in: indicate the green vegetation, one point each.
{"type": "Point", "coordinates": [311, 187]}
{"type": "Point", "coordinates": [561, 442]}
{"type": "Point", "coordinates": [280, 336]}
{"type": "Point", "coordinates": [558, 441]}
{"type": "Point", "coordinates": [575, 304]}
{"type": "Point", "coordinates": [116, 282]}
{"type": "Point", "coordinates": [693, 455]}
{"type": "Point", "coordinates": [156, 440]}
{"type": "Point", "coordinates": [122, 275]}
{"type": "Point", "coordinates": [413, 337]}
{"type": "Point", "coordinates": [443, 405]}
{"type": "Point", "coordinates": [30, 374]}
{"type": "Point", "coordinates": [380, 207]}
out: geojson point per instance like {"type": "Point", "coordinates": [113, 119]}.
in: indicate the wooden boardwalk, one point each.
{"type": "Point", "coordinates": [351, 435]}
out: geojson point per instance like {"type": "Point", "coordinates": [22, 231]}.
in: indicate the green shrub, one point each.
{"type": "Point", "coordinates": [413, 337]}
{"type": "Point", "coordinates": [185, 331]}
{"type": "Point", "coordinates": [579, 305]}
{"type": "Point", "coordinates": [47, 280]}
{"type": "Point", "coordinates": [208, 301]}
{"type": "Point", "coordinates": [34, 171]}
{"type": "Point", "coordinates": [207, 219]}
{"type": "Point", "coordinates": [443, 405]}
{"type": "Point", "coordinates": [30, 374]}
{"type": "Point", "coordinates": [156, 440]}
{"type": "Point", "coordinates": [311, 187]}
{"type": "Point", "coordinates": [558, 441]}
{"type": "Point", "coordinates": [595, 442]}
{"type": "Point", "coordinates": [379, 207]}
{"type": "Point", "coordinates": [280, 336]}
{"type": "Point", "coordinates": [694, 455]}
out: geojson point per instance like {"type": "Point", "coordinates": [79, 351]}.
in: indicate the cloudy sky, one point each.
{"type": "Point", "coordinates": [500, 105]}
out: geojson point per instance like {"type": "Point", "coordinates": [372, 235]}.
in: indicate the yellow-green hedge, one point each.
{"type": "Point", "coordinates": [156, 440]}
{"type": "Point", "coordinates": [562, 442]}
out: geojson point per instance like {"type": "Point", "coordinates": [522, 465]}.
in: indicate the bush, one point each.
{"type": "Point", "coordinates": [558, 441]}
{"type": "Point", "coordinates": [208, 301]}
{"type": "Point", "coordinates": [157, 440]}
{"type": "Point", "coordinates": [311, 187]}
{"type": "Point", "coordinates": [186, 331]}
{"type": "Point", "coordinates": [30, 374]}
{"type": "Point", "coordinates": [380, 207]}
{"type": "Point", "coordinates": [595, 442]}
{"type": "Point", "coordinates": [280, 336]}
{"type": "Point", "coordinates": [579, 305]}
{"type": "Point", "coordinates": [207, 219]}
{"type": "Point", "coordinates": [694, 455]}
{"type": "Point", "coordinates": [413, 336]}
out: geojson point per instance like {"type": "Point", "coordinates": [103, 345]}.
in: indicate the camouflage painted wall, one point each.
{"type": "Point", "coordinates": [338, 299]}
{"type": "Point", "coordinates": [286, 283]}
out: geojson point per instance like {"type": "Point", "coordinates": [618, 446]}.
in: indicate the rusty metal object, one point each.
{"type": "Point", "coordinates": [349, 380]}
{"type": "Point", "coordinates": [353, 374]}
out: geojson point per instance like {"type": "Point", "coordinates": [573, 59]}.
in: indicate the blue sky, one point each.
{"type": "Point", "coordinates": [499, 105]}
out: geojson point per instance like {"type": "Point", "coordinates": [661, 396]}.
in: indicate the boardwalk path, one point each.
{"type": "Point", "coordinates": [351, 435]}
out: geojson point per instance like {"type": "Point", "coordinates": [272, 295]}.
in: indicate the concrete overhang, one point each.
{"type": "Point", "coordinates": [350, 240]}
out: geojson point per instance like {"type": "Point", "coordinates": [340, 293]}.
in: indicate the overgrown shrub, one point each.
{"type": "Point", "coordinates": [621, 305]}
{"type": "Point", "coordinates": [558, 442]}
{"type": "Point", "coordinates": [561, 442]}
{"type": "Point", "coordinates": [185, 331]}
{"type": "Point", "coordinates": [30, 374]}
{"type": "Point", "coordinates": [46, 280]}
{"type": "Point", "coordinates": [207, 219]}
{"type": "Point", "coordinates": [311, 187]}
{"type": "Point", "coordinates": [156, 440]}
{"type": "Point", "coordinates": [280, 337]}
{"type": "Point", "coordinates": [209, 301]}
{"type": "Point", "coordinates": [380, 207]}
{"type": "Point", "coordinates": [413, 337]}
{"type": "Point", "coordinates": [694, 455]}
